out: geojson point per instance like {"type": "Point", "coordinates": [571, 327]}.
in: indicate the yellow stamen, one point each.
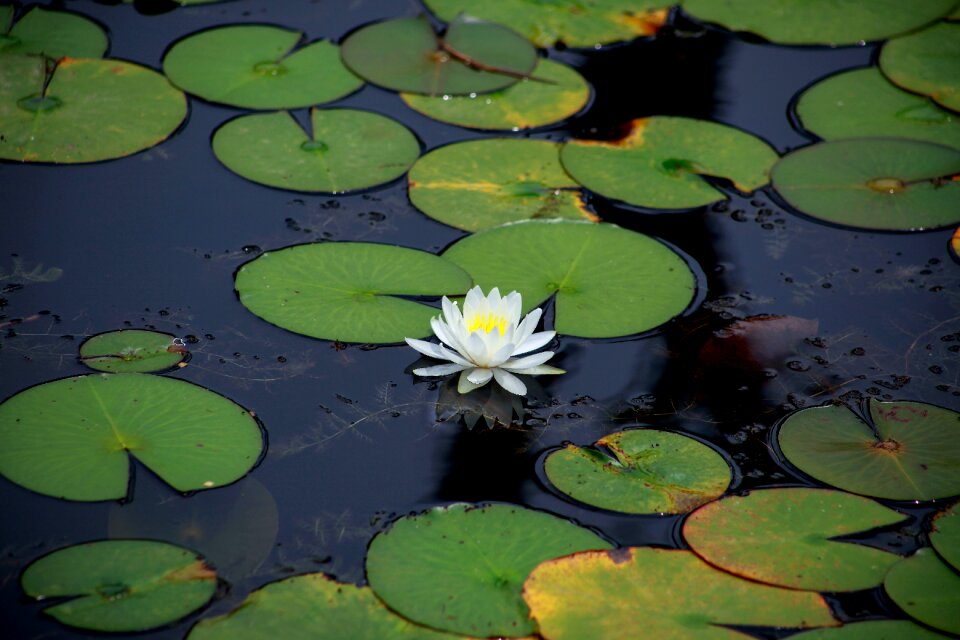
{"type": "Point", "coordinates": [488, 323]}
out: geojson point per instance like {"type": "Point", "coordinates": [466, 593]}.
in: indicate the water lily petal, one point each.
{"type": "Point", "coordinates": [480, 376]}
{"type": "Point", "coordinates": [493, 299]}
{"type": "Point", "coordinates": [464, 385]}
{"type": "Point", "coordinates": [427, 348]}
{"type": "Point", "coordinates": [473, 301]}
{"type": "Point", "coordinates": [543, 370]}
{"type": "Point", "coordinates": [519, 364]}
{"type": "Point", "coordinates": [514, 306]}
{"type": "Point", "coordinates": [442, 331]}
{"type": "Point", "coordinates": [528, 326]}
{"type": "Point", "coordinates": [451, 312]}
{"type": "Point", "coordinates": [477, 351]}
{"type": "Point", "coordinates": [439, 370]}
{"type": "Point", "coordinates": [509, 382]}
{"type": "Point", "coordinates": [501, 355]}
{"type": "Point", "coordinates": [534, 342]}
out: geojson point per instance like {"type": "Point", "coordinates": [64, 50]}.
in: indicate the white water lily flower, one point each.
{"type": "Point", "coordinates": [482, 342]}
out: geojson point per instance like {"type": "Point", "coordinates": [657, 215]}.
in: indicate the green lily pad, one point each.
{"type": "Point", "coordinates": [945, 536]}
{"type": "Point", "coordinates": [927, 63]}
{"type": "Point", "coordinates": [786, 537]}
{"type": "Point", "coordinates": [554, 92]}
{"type": "Point", "coordinates": [648, 472]}
{"type": "Point", "coordinates": [92, 109]}
{"type": "Point", "coordinates": [346, 150]}
{"type": "Point", "coordinates": [927, 589]}
{"type": "Point", "coordinates": [819, 21]}
{"type": "Point", "coordinates": [461, 568]}
{"type": "Point", "coordinates": [406, 54]}
{"type": "Point", "coordinates": [873, 183]}
{"type": "Point", "coordinates": [862, 103]}
{"type": "Point", "coordinates": [257, 67]}
{"type": "Point", "coordinates": [348, 291]}
{"type": "Point", "coordinates": [312, 606]}
{"type": "Point", "coordinates": [121, 585]}
{"type": "Point", "coordinates": [73, 438]}
{"type": "Point", "coordinates": [658, 593]}
{"type": "Point", "coordinates": [608, 281]}
{"type": "Point", "coordinates": [485, 183]}
{"type": "Point", "coordinates": [872, 629]}
{"type": "Point", "coordinates": [908, 450]}
{"type": "Point", "coordinates": [660, 162]}
{"type": "Point", "coordinates": [132, 351]}
{"type": "Point", "coordinates": [53, 34]}
{"type": "Point", "coordinates": [579, 23]}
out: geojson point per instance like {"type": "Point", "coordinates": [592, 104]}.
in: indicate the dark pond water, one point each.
{"type": "Point", "coordinates": [153, 241]}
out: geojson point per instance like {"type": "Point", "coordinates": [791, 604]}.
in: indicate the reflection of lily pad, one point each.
{"type": "Point", "coordinates": [584, 23]}
{"type": "Point", "coordinates": [927, 62]}
{"type": "Point", "coordinates": [256, 67]}
{"type": "Point", "coordinates": [121, 585]}
{"type": "Point", "coordinates": [132, 351]}
{"type": "Point", "coordinates": [91, 110]}
{"type": "Point", "coordinates": [945, 536]}
{"type": "Point", "coordinates": [873, 183]}
{"type": "Point", "coordinates": [348, 291]}
{"type": "Point", "coordinates": [312, 606]}
{"type": "Point", "coordinates": [648, 472]}
{"type": "Point", "coordinates": [53, 34]}
{"type": "Point", "coordinates": [819, 21]}
{"type": "Point", "coordinates": [587, 266]}
{"type": "Point", "coordinates": [73, 438]}
{"type": "Point", "coordinates": [659, 163]}
{"type": "Point", "coordinates": [872, 629]}
{"type": "Point", "coordinates": [460, 568]}
{"type": "Point", "coordinates": [234, 528]}
{"type": "Point", "coordinates": [786, 537]}
{"type": "Point", "coordinates": [862, 103]}
{"type": "Point", "coordinates": [556, 92]}
{"type": "Point", "coordinates": [346, 150]}
{"type": "Point", "coordinates": [927, 589]}
{"type": "Point", "coordinates": [908, 451]}
{"type": "Point", "coordinates": [406, 54]}
{"type": "Point", "coordinates": [658, 593]}
{"type": "Point", "coordinates": [484, 183]}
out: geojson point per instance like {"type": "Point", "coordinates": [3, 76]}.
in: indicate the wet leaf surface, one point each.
{"type": "Point", "coordinates": [927, 62]}
{"type": "Point", "coordinates": [667, 593]}
{"type": "Point", "coordinates": [461, 568]}
{"type": "Point", "coordinates": [786, 537]}
{"type": "Point", "coordinates": [348, 291]}
{"type": "Point", "coordinates": [640, 471]}
{"type": "Point", "coordinates": [659, 163]}
{"type": "Point", "coordinates": [73, 438]}
{"type": "Point", "coordinates": [945, 536]}
{"type": "Point", "coordinates": [585, 266]}
{"type": "Point", "coordinates": [485, 183]}
{"type": "Point", "coordinates": [873, 183]}
{"type": "Point", "coordinates": [121, 585]}
{"type": "Point", "coordinates": [907, 450]}
{"type": "Point", "coordinates": [54, 34]}
{"type": "Point", "coordinates": [259, 67]}
{"type": "Point", "coordinates": [927, 589]}
{"type": "Point", "coordinates": [873, 629]}
{"type": "Point", "coordinates": [132, 351]}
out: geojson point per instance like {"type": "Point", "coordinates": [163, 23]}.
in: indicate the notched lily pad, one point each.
{"type": "Point", "coordinates": [583, 23]}
{"type": "Point", "coordinates": [862, 103]}
{"type": "Point", "coordinates": [73, 438]}
{"type": "Point", "coordinates": [348, 291]}
{"type": "Point", "coordinates": [905, 451]}
{"type": "Point", "coordinates": [659, 163]}
{"type": "Point", "coordinates": [485, 183]}
{"type": "Point", "coordinates": [873, 183]}
{"type": "Point", "coordinates": [586, 267]}
{"type": "Point", "coordinates": [407, 54]}
{"type": "Point", "coordinates": [346, 150]}
{"type": "Point", "coordinates": [259, 67]}
{"type": "Point", "coordinates": [819, 21]}
{"type": "Point", "coordinates": [663, 592]}
{"type": "Point", "coordinates": [312, 606]}
{"type": "Point", "coordinates": [640, 471]}
{"type": "Point", "coordinates": [90, 110]}
{"type": "Point", "coordinates": [121, 585]}
{"type": "Point", "coordinates": [787, 537]}
{"type": "Point", "coordinates": [553, 92]}
{"type": "Point", "coordinates": [460, 568]}
{"type": "Point", "coordinates": [927, 589]}
{"type": "Point", "coordinates": [927, 62]}
{"type": "Point", "coordinates": [132, 351]}
{"type": "Point", "coordinates": [53, 34]}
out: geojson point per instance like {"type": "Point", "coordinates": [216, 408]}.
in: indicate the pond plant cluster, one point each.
{"type": "Point", "coordinates": [749, 561]}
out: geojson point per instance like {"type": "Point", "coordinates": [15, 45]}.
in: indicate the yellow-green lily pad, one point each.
{"type": "Point", "coordinates": [927, 589]}
{"type": "Point", "coordinates": [485, 183]}
{"type": "Point", "coordinates": [132, 351]}
{"type": "Point", "coordinates": [872, 629]}
{"type": "Point", "coordinates": [945, 536]}
{"type": "Point", "coordinates": [53, 34]}
{"type": "Point", "coordinates": [259, 67]}
{"type": "Point", "coordinates": [927, 62]}
{"type": "Point", "coordinates": [787, 537]}
{"type": "Point", "coordinates": [659, 163]}
{"type": "Point", "coordinates": [645, 471]}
